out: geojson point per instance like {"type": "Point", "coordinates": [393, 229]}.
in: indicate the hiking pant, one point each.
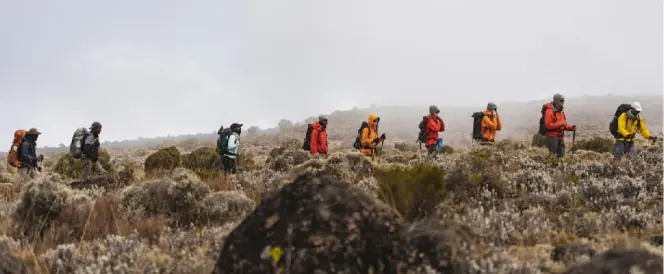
{"type": "Point", "coordinates": [621, 148]}
{"type": "Point", "coordinates": [556, 144]}
{"type": "Point", "coordinates": [432, 151]}
{"type": "Point", "coordinates": [90, 169]}
{"type": "Point", "coordinates": [229, 164]}
{"type": "Point", "coordinates": [27, 173]}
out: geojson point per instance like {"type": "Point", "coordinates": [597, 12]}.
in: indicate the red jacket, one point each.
{"type": "Point", "coordinates": [553, 121]}
{"type": "Point", "coordinates": [434, 126]}
{"type": "Point", "coordinates": [318, 142]}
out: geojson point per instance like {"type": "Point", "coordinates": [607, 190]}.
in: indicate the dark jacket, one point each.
{"type": "Point", "coordinates": [28, 151]}
{"type": "Point", "coordinates": [91, 148]}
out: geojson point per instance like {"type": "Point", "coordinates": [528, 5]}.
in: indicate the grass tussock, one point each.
{"type": "Point", "coordinates": [412, 191]}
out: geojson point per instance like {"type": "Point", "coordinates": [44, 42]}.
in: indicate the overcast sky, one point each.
{"type": "Point", "coordinates": [150, 68]}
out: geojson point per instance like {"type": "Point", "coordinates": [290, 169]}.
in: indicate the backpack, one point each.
{"type": "Point", "coordinates": [77, 142]}
{"type": "Point", "coordinates": [358, 139]}
{"type": "Point", "coordinates": [307, 138]}
{"type": "Point", "coordinates": [222, 141]}
{"type": "Point", "coordinates": [613, 125]}
{"type": "Point", "coordinates": [422, 136]}
{"type": "Point", "coordinates": [477, 125]}
{"type": "Point", "coordinates": [542, 128]}
{"type": "Point", "coordinates": [13, 155]}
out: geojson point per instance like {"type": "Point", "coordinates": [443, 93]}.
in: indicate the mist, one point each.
{"type": "Point", "coordinates": [156, 68]}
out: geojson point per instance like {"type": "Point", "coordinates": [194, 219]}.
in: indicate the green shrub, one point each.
{"type": "Point", "coordinates": [205, 162]}
{"type": "Point", "coordinates": [164, 159]}
{"type": "Point", "coordinates": [597, 144]}
{"type": "Point", "coordinates": [414, 192]}
{"type": "Point", "coordinates": [73, 169]}
{"type": "Point", "coordinates": [447, 149]}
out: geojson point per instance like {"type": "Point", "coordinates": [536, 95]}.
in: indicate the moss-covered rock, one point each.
{"type": "Point", "coordinates": [72, 167]}
{"type": "Point", "coordinates": [164, 159]}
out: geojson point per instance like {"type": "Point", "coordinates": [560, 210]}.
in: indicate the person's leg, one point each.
{"type": "Point", "coordinates": [561, 147]}
{"type": "Point", "coordinates": [226, 165]}
{"type": "Point", "coordinates": [552, 144]}
{"type": "Point", "coordinates": [233, 165]}
{"type": "Point", "coordinates": [631, 150]}
{"type": "Point", "coordinates": [432, 150]}
{"type": "Point", "coordinates": [86, 169]}
{"type": "Point", "coordinates": [618, 150]}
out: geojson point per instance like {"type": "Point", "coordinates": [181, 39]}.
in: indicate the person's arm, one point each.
{"type": "Point", "coordinates": [644, 130]}
{"type": "Point", "coordinates": [442, 125]}
{"type": "Point", "coordinates": [89, 149]}
{"type": "Point", "coordinates": [364, 138]}
{"type": "Point", "coordinates": [232, 144]}
{"type": "Point", "coordinates": [487, 123]}
{"type": "Point", "coordinates": [26, 156]}
{"type": "Point", "coordinates": [622, 125]}
{"type": "Point", "coordinates": [313, 143]}
{"type": "Point", "coordinates": [432, 125]}
{"type": "Point", "coordinates": [499, 125]}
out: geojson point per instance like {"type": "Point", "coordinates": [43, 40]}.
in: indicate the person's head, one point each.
{"type": "Point", "coordinates": [558, 100]}
{"type": "Point", "coordinates": [33, 133]}
{"type": "Point", "coordinates": [95, 128]}
{"type": "Point", "coordinates": [434, 110]}
{"type": "Point", "coordinates": [322, 120]}
{"type": "Point", "coordinates": [237, 128]}
{"type": "Point", "coordinates": [491, 106]}
{"type": "Point", "coordinates": [636, 108]}
{"type": "Point", "coordinates": [373, 120]}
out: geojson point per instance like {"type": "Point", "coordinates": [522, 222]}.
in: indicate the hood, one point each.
{"type": "Point", "coordinates": [317, 126]}
{"type": "Point", "coordinates": [370, 120]}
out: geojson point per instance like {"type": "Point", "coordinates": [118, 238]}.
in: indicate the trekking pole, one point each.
{"type": "Point", "coordinates": [573, 138]}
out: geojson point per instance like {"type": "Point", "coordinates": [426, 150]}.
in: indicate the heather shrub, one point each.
{"type": "Point", "coordinates": [597, 144]}
{"type": "Point", "coordinates": [412, 191]}
{"type": "Point", "coordinates": [539, 140]}
{"type": "Point", "coordinates": [72, 167]}
{"type": "Point", "coordinates": [446, 149]}
{"type": "Point", "coordinates": [205, 162]}
{"type": "Point", "coordinates": [164, 159]}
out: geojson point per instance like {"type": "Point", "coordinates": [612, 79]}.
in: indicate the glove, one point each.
{"type": "Point", "coordinates": [377, 140]}
{"type": "Point", "coordinates": [653, 138]}
{"type": "Point", "coordinates": [382, 137]}
{"type": "Point", "coordinates": [40, 157]}
{"type": "Point", "coordinates": [631, 136]}
{"type": "Point", "coordinates": [573, 127]}
{"type": "Point", "coordinates": [39, 169]}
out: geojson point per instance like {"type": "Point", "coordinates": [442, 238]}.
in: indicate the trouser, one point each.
{"type": "Point", "coordinates": [556, 145]}
{"type": "Point", "coordinates": [621, 148]}
{"type": "Point", "coordinates": [229, 164]}
{"type": "Point", "coordinates": [27, 173]}
{"type": "Point", "coordinates": [432, 151]}
{"type": "Point", "coordinates": [90, 168]}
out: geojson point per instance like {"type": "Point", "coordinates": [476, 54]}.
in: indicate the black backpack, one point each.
{"type": "Point", "coordinates": [358, 139]}
{"type": "Point", "coordinates": [422, 136]}
{"type": "Point", "coordinates": [222, 141]}
{"type": "Point", "coordinates": [542, 129]}
{"type": "Point", "coordinates": [613, 125]}
{"type": "Point", "coordinates": [307, 138]}
{"type": "Point", "coordinates": [477, 125]}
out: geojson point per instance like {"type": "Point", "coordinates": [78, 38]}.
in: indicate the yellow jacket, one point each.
{"type": "Point", "coordinates": [490, 125]}
{"type": "Point", "coordinates": [368, 135]}
{"type": "Point", "coordinates": [627, 127]}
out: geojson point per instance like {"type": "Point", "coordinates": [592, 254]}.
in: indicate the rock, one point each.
{"type": "Point", "coordinates": [314, 224]}
{"type": "Point", "coordinates": [624, 259]}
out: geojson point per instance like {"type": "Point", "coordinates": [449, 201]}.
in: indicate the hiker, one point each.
{"type": "Point", "coordinates": [553, 124]}
{"type": "Point", "coordinates": [434, 125]}
{"type": "Point", "coordinates": [490, 124]}
{"type": "Point", "coordinates": [628, 123]}
{"type": "Point", "coordinates": [230, 153]}
{"type": "Point", "coordinates": [318, 142]}
{"type": "Point", "coordinates": [369, 137]}
{"type": "Point", "coordinates": [28, 155]}
{"type": "Point", "coordinates": [90, 152]}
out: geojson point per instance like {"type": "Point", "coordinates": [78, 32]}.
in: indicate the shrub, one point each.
{"type": "Point", "coordinates": [597, 144]}
{"type": "Point", "coordinates": [164, 159]}
{"type": "Point", "coordinates": [72, 169]}
{"type": "Point", "coordinates": [205, 162]}
{"type": "Point", "coordinates": [539, 140]}
{"type": "Point", "coordinates": [447, 149]}
{"type": "Point", "coordinates": [412, 191]}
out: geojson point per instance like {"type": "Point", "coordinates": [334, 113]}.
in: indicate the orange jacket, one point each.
{"type": "Point", "coordinates": [368, 136]}
{"type": "Point", "coordinates": [490, 125]}
{"type": "Point", "coordinates": [318, 140]}
{"type": "Point", "coordinates": [434, 125]}
{"type": "Point", "coordinates": [553, 121]}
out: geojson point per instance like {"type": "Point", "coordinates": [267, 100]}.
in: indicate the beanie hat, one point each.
{"type": "Point", "coordinates": [94, 125]}
{"type": "Point", "coordinates": [491, 106]}
{"type": "Point", "coordinates": [433, 109]}
{"type": "Point", "coordinates": [557, 97]}
{"type": "Point", "coordinates": [322, 118]}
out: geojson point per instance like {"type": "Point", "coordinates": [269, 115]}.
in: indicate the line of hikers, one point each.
{"type": "Point", "coordinates": [624, 126]}
{"type": "Point", "coordinates": [84, 145]}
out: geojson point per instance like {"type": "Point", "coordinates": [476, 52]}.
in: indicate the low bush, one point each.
{"type": "Point", "coordinates": [412, 191]}
{"type": "Point", "coordinates": [597, 144]}
{"type": "Point", "coordinates": [205, 162]}
{"type": "Point", "coordinates": [72, 167]}
{"type": "Point", "coordinates": [539, 140]}
{"type": "Point", "coordinates": [164, 159]}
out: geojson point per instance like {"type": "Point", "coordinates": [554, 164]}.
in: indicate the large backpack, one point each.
{"type": "Point", "coordinates": [542, 128]}
{"type": "Point", "coordinates": [13, 155]}
{"type": "Point", "coordinates": [422, 136]}
{"type": "Point", "coordinates": [77, 142]}
{"type": "Point", "coordinates": [358, 139]}
{"type": "Point", "coordinates": [477, 125]}
{"type": "Point", "coordinates": [222, 141]}
{"type": "Point", "coordinates": [307, 138]}
{"type": "Point", "coordinates": [613, 125]}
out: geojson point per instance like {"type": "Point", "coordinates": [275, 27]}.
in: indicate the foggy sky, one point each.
{"type": "Point", "coordinates": [153, 68]}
